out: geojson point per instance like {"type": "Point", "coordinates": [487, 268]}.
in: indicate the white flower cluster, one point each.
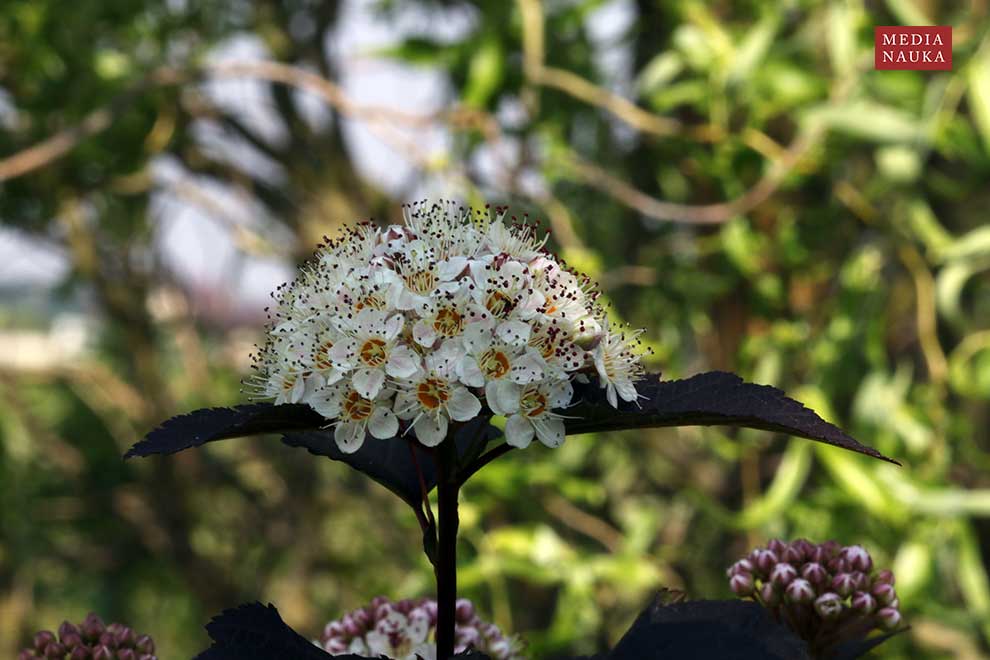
{"type": "Point", "coordinates": [412, 327]}
{"type": "Point", "coordinates": [405, 630]}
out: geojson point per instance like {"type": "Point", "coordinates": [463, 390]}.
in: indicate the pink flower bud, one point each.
{"type": "Point", "coordinates": [885, 575]}
{"type": "Point", "coordinates": [741, 566]}
{"type": "Point", "coordinates": [335, 645]}
{"type": "Point", "coordinates": [857, 558]}
{"type": "Point", "coordinates": [148, 656]}
{"type": "Point", "coordinates": [800, 591]}
{"type": "Point", "coordinates": [80, 653]}
{"type": "Point", "coordinates": [333, 629]}
{"type": "Point", "coordinates": [101, 652]}
{"type": "Point", "coordinates": [464, 611]}
{"type": "Point", "coordinates": [805, 546]}
{"type": "Point", "coordinates": [792, 555]}
{"type": "Point", "coordinates": [828, 606]}
{"type": "Point", "coordinates": [837, 565]}
{"type": "Point", "coordinates": [884, 593]}
{"type": "Point", "coordinates": [71, 640]}
{"type": "Point", "coordinates": [863, 602]}
{"type": "Point", "coordinates": [742, 584]}
{"type": "Point", "coordinates": [126, 654]}
{"type": "Point", "coordinates": [92, 627]}
{"type": "Point", "coordinates": [764, 562]}
{"type": "Point", "coordinates": [67, 628]}
{"type": "Point", "coordinates": [814, 573]}
{"type": "Point", "coordinates": [843, 584]}
{"type": "Point", "coordinates": [782, 575]}
{"type": "Point", "coordinates": [776, 546]}
{"type": "Point", "coordinates": [42, 639]}
{"type": "Point", "coordinates": [769, 595]}
{"type": "Point", "coordinates": [889, 618]}
{"type": "Point", "coordinates": [55, 650]}
{"type": "Point", "coordinates": [144, 644]}
{"type": "Point", "coordinates": [26, 654]}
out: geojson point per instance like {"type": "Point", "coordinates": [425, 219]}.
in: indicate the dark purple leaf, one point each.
{"type": "Point", "coordinates": [724, 629]}
{"type": "Point", "coordinates": [389, 462]}
{"type": "Point", "coordinates": [209, 424]}
{"type": "Point", "coordinates": [256, 632]}
{"type": "Point", "coordinates": [859, 648]}
{"type": "Point", "coordinates": [715, 398]}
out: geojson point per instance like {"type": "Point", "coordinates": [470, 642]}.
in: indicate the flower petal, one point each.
{"type": "Point", "coordinates": [349, 436]}
{"type": "Point", "coordinates": [424, 333]}
{"type": "Point", "coordinates": [368, 382]}
{"type": "Point", "coordinates": [383, 423]}
{"type": "Point", "coordinates": [431, 430]}
{"type": "Point", "coordinates": [469, 373]}
{"type": "Point", "coordinates": [550, 431]}
{"type": "Point", "coordinates": [513, 333]}
{"type": "Point", "coordinates": [518, 432]}
{"type": "Point", "coordinates": [463, 405]}
{"type": "Point", "coordinates": [403, 362]}
{"type": "Point", "coordinates": [502, 396]}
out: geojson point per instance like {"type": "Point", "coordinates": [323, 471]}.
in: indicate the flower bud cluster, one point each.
{"type": "Point", "coordinates": [405, 630]}
{"type": "Point", "coordinates": [411, 327]}
{"type": "Point", "coordinates": [822, 591]}
{"type": "Point", "coordinates": [91, 640]}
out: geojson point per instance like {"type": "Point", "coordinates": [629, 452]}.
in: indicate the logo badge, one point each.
{"type": "Point", "coordinates": [912, 47]}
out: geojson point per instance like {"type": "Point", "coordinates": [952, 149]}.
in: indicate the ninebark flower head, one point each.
{"type": "Point", "coordinates": [407, 328]}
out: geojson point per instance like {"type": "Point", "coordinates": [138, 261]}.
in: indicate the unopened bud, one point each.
{"type": "Point", "coordinates": [800, 591]}
{"type": "Point", "coordinates": [884, 593]}
{"type": "Point", "coordinates": [814, 573]}
{"type": "Point", "coordinates": [144, 644]}
{"type": "Point", "coordinates": [828, 606]}
{"type": "Point", "coordinates": [857, 558]}
{"type": "Point", "coordinates": [80, 653]}
{"type": "Point", "coordinates": [886, 575]}
{"type": "Point", "coordinates": [42, 639]}
{"type": "Point", "coordinates": [843, 584]}
{"type": "Point", "coordinates": [776, 546]}
{"type": "Point", "coordinates": [55, 650]}
{"type": "Point", "coordinates": [92, 627]}
{"type": "Point", "coordinates": [863, 602]}
{"type": "Point", "coordinates": [783, 574]}
{"type": "Point", "coordinates": [769, 595]}
{"type": "Point", "coordinates": [741, 566]}
{"type": "Point", "coordinates": [764, 561]}
{"type": "Point", "coordinates": [67, 628]}
{"type": "Point", "coordinates": [102, 652]}
{"type": "Point", "coordinates": [889, 618]}
{"type": "Point", "coordinates": [742, 584]}
{"type": "Point", "coordinates": [70, 640]}
{"type": "Point", "coordinates": [126, 654]}
{"type": "Point", "coordinates": [464, 610]}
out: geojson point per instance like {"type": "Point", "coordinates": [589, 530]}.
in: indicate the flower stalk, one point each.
{"type": "Point", "coordinates": [448, 487]}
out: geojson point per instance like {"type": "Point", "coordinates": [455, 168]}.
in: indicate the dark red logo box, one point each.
{"type": "Point", "coordinates": [912, 47]}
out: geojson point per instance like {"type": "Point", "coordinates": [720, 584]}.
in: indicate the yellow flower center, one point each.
{"type": "Point", "coordinates": [373, 353]}
{"type": "Point", "coordinates": [500, 304]}
{"type": "Point", "coordinates": [448, 323]}
{"type": "Point", "coordinates": [533, 403]}
{"type": "Point", "coordinates": [432, 393]}
{"type": "Point", "coordinates": [321, 357]}
{"type": "Point", "coordinates": [422, 281]}
{"type": "Point", "coordinates": [372, 301]}
{"type": "Point", "coordinates": [357, 408]}
{"type": "Point", "coordinates": [493, 363]}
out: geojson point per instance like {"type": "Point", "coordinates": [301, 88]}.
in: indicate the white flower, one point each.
{"type": "Point", "coordinates": [618, 367]}
{"type": "Point", "coordinates": [536, 415]}
{"type": "Point", "coordinates": [356, 415]}
{"type": "Point", "coordinates": [371, 349]}
{"type": "Point", "coordinates": [441, 318]}
{"type": "Point", "coordinates": [434, 397]}
{"type": "Point", "coordinates": [496, 358]}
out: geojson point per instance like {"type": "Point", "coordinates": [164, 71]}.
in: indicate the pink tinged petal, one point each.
{"type": "Point", "coordinates": [519, 432]}
{"type": "Point", "coordinates": [383, 423]}
{"type": "Point", "coordinates": [469, 373]}
{"type": "Point", "coordinates": [431, 430]}
{"type": "Point", "coordinates": [343, 353]}
{"type": "Point", "coordinates": [406, 405]}
{"type": "Point", "coordinates": [478, 335]}
{"type": "Point", "coordinates": [513, 333]}
{"type": "Point", "coordinates": [526, 369]}
{"type": "Point", "coordinates": [550, 432]}
{"type": "Point", "coordinates": [327, 405]}
{"type": "Point", "coordinates": [463, 405]}
{"type": "Point", "coordinates": [424, 334]}
{"type": "Point", "coordinates": [368, 382]}
{"type": "Point", "coordinates": [502, 397]}
{"type": "Point", "coordinates": [349, 436]}
{"type": "Point", "coordinates": [402, 362]}
{"type": "Point", "coordinates": [393, 327]}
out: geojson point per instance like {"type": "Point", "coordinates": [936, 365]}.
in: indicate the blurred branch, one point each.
{"type": "Point", "coordinates": [926, 317]}
{"type": "Point", "coordinates": [582, 521]}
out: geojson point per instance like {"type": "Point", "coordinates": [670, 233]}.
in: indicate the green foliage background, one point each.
{"type": "Point", "coordinates": [858, 283]}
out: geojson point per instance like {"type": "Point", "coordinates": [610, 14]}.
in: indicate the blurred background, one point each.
{"type": "Point", "coordinates": [736, 175]}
